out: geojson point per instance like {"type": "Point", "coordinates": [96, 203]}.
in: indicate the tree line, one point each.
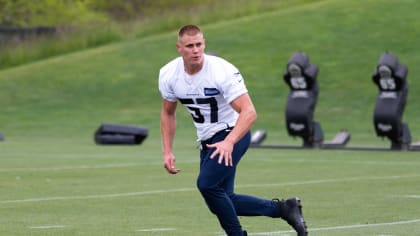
{"type": "Point", "coordinates": [59, 13]}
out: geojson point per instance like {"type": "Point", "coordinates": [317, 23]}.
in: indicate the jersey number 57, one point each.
{"type": "Point", "coordinates": [195, 111]}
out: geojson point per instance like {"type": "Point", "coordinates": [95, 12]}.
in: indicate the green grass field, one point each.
{"type": "Point", "coordinates": [54, 180]}
{"type": "Point", "coordinates": [90, 190]}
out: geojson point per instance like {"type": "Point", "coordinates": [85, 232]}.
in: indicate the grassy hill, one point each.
{"type": "Point", "coordinates": [70, 95]}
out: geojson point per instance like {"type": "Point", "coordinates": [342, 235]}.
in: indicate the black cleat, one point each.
{"type": "Point", "coordinates": [291, 212]}
{"type": "Point", "coordinates": [245, 233]}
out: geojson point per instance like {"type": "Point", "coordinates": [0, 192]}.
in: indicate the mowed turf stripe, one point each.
{"type": "Point", "coordinates": [116, 195]}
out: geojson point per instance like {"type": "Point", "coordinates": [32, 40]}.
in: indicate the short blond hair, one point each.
{"type": "Point", "coordinates": [189, 30]}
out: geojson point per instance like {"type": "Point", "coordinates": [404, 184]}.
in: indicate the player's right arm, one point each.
{"type": "Point", "coordinates": [167, 128]}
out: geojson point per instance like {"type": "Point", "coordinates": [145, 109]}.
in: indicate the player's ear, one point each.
{"type": "Point", "coordinates": [178, 47]}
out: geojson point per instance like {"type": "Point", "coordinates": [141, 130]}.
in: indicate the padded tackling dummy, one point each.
{"type": "Point", "coordinates": [301, 77]}
{"type": "Point", "coordinates": [120, 134]}
{"type": "Point", "coordinates": [390, 78]}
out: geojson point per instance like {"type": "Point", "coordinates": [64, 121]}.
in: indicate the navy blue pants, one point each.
{"type": "Point", "coordinates": [216, 184]}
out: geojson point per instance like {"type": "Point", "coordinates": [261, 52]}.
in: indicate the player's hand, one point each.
{"type": "Point", "coordinates": [224, 150]}
{"type": "Point", "coordinates": [169, 163]}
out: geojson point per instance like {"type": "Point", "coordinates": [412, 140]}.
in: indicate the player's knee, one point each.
{"type": "Point", "coordinates": [204, 186]}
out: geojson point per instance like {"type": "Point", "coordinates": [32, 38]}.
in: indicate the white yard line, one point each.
{"type": "Point", "coordinates": [413, 221]}
{"type": "Point", "coordinates": [156, 230]}
{"type": "Point", "coordinates": [113, 195]}
{"type": "Point", "coordinates": [70, 167]}
{"type": "Point", "coordinates": [150, 192]}
{"type": "Point", "coordinates": [122, 165]}
{"type": "Point", "coordinates": [48, 227]}
{"type": "Point", "coordinates": [411, 196]}
{"type": "Point", "coordinates": [59, 168]}
{"type": "Point", "coordinates": [322, 181]}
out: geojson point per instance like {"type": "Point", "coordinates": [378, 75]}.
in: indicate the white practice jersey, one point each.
{"type": "Point", "coordinates": [206, 95]}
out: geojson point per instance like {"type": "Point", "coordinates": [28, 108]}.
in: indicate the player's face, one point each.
{"type": "Point", "coordinates": [191, 48]}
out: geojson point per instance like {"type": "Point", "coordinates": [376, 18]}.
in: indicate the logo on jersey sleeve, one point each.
{"type": "Point", "coordinates": [238, 76]}
{"type": "Point", "coordinates": [211, 91]}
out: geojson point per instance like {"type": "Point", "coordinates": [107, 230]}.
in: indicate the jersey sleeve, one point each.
{"type": "Point", "coordinates": [233, 84]}
{"type": "Point", "coordinates": [165, 87]}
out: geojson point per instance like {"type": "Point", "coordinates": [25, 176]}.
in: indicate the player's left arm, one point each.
{"type": "Point", "coordinates": [247, 116]}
